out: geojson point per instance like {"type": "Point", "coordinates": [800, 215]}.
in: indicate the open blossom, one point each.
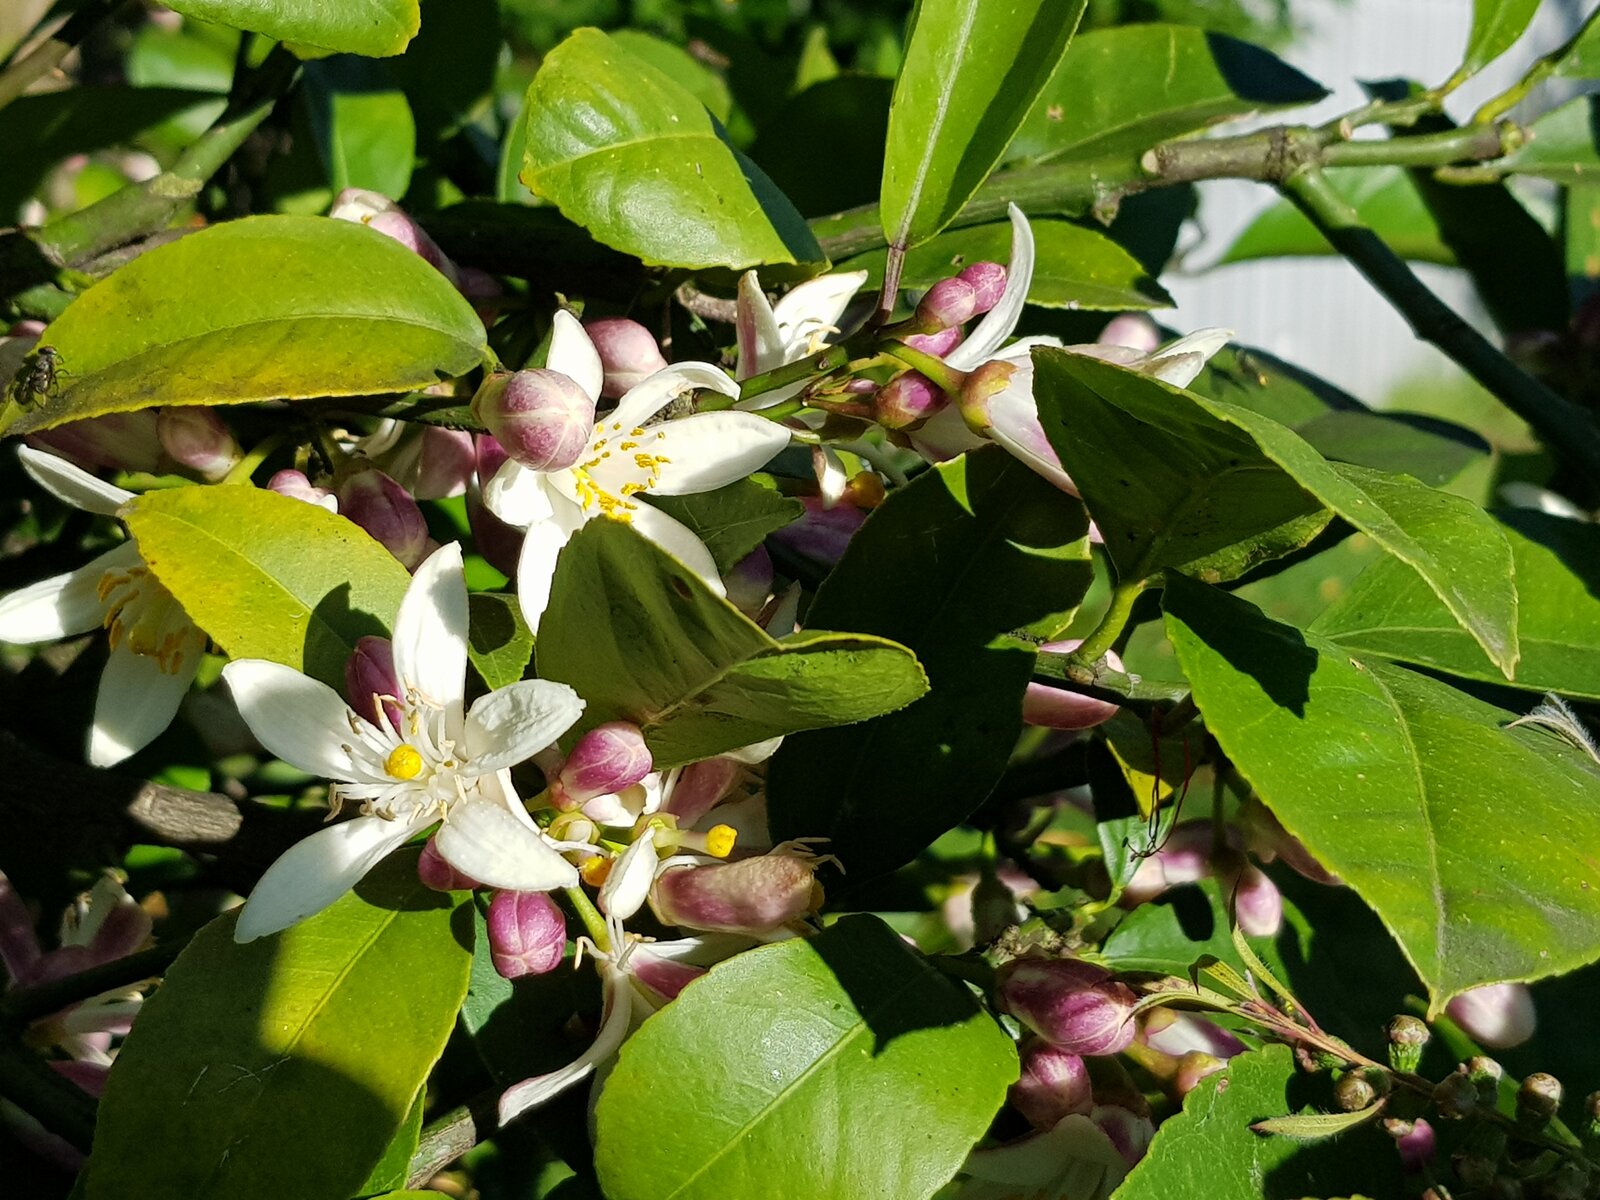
{"type": "Point", "coordinates": [155, 647]}
{"type": "Point", "coordinates": [625, 453]}
{"type": "Point", "coordinates": [440, 762]}
{"type": "Point", "coordinates": [771, 336]}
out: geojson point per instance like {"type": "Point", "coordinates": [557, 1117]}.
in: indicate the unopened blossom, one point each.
{"type": "Point", "coordinates": [429, 461]}
{"type": "Point", "coordinates": [155, 647]}
{"type": "Point", "coordinates": [1054, 1083]}
{"type": "Point", "coordinates": [382, 215]}
{"type": "Point", "coordinates": [117, 441]}
{"type": "Point", "coordinates": [1073, 1004]}
{"type": "Point", "coordinates": [1497, 1015]}
{"type": "Point", "coordinates": [296, 486]}
{"type": "Point", "coordinates": [527, 933]}
{"type": "Point", "coordinates": [753, 895]}
{"type": "Point", "coordinates": [627, 452]}
{"type": "Point", "coordinates": [387, 512]}
{"type": "Point", "coordinates": [1062, 708]}
{"type": "Point", "coordinates": [441, 763]}
{"type": "Point", "coordinates": [608, 758]}
{"type": "Point", "coordinates": [194, 436]}
{"type": "Point", "coordinates": [628, 354]}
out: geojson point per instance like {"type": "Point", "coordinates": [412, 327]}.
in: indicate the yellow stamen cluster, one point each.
{"type": "Point", "coordinates": [617, 506]}
{"type": "Point", "coordinates": [141, 611]}
{"type": "Point", "coordinates": [404, 762]}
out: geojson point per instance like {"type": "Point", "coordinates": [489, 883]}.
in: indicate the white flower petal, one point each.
{"type": "Point", "coordinates": [64, 604]}
{"type": "Point", "coordinates": [648, 397]}
{"type": "Point", "coordinates": [536, 567]}
{"type": "Point", "coordinates": [760, 340]}
{"type": "Point", "coordinates": [944, 436]}
{"type": "Point", "coordinates": [531, 1093]}
{"type": "Point", "coordinates": [1179, 363]}
{"type": "Point", "coordinates": [1000, 320]}
{"type": "Point", "coordinates": [430, 632]}
{"type": "Point", "coordinates": [70, 484]}
{"type": "Point", "coordinates": [813, 308]}
{"type": "Point", "coordinates": [512, 724]}
{"type": "Point", "coordinates": [708, 450]}
{"type": "Point", "coordinates": [136, 701]}
{"type": "Point", "coordinates": [518, 496]}
{"type": "Point", "coordinates": [1015, 425]}
{"type": "Point", "coordinates": [678, 540]}
{"type": "Point", "coordinates": [831, 479]}
{"type": "Point", "coordinates": [628, 882]}
{"type": "Point", "coordinates": [573, 354]}
{"type": "Point", "coordinates": [298, 719]}
{"type": "Point", "coordinates": [481, 839]}
{"type": "Point", "coordinates": [317, 870]}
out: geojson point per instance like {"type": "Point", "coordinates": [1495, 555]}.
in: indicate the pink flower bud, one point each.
{"type": "Point", "coordinates": [607, 759]}
{"type": "Point", "coordinates": [1257, 903]}
{"type": "Point", "coordinates": [821, 534]}
{"type": "Point", "coordinates": [628, 353]}
{"type": "Point", "coordinates": [386, 511]}
{"type": "Point", "coordinates": [937, 344]}
{"type": "Point", "coordinates": [1054, 1084]}
{"type": "Point", "coordinates": [1179, 1033]}
{"type": "Point", "coordinates": [1416, 1143]}
{"type": "Point", "coordinates": [906, 400]}
{"type": "Point", "coordinates": [118, 441]}
{"type": "Point", "coordinates": [663, 976]}
{"type": "Point", "coordinates": [949, 302]}
{"type": "Point", "coordinates": [988, 283]}
{"type": "Point", "coordinates": [1074, 1004]}
{"type": "Point", "coordinates": [1135, 331]}
{"type": "Point", "coordinates": [542, 418]}
{"type": "Point", "coordinates": [399, 227]}
{"type": "Point", "coordinates": [296, 486]}
{"type": "Point", "coordinates": [1185, 857]}
{"type": "Point", "coordinates": [749, 581]}
{"type": "Point", "coordinates": [1129, 1132]}
{"type": "Point", "coordinates": [429, 461]}
{"type": "Point", "coordinates": [436, 873]}
{"type": "Point", "coordinates": [1497, 1015]}
{"type": "Point", "coordinates": [699, 788]}
{"type": "Point", "coordinates": [979, 388]}
{"type": "Point", "coordinates": [753, 895]}
{"type": "Point", "coordinates": [370, 683]}
{"type": "Point", "coordinates": [1059, 708]}
{"type": "Point", "coordinates": [527, 933]}
{"type": "Point", "coordinates": [1193, 1067]}
{"type": "Point", "coordinates": [195, 437]}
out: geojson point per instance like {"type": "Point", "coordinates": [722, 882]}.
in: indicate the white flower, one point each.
{"type": "Point", "coordinates": [770, 337]}
{"type": "Point", "coordinates": [155, 647]}
{"type": "Point", "coordinates": [627, 455]}
{"type": "Point", "coordinates": [437, 763]}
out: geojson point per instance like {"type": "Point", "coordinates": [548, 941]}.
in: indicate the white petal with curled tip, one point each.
{"type": "Point", "coordinates": [1000, 320]}
{"type": "Point", "coordinates": [298, 719]}
{"type": "Point", "coordinates": [678, 540]}
{"type": "Point", "coordinates": [136, 701]}
{"type": "Point", "coordinates": [573, 354]}
{"type": "Point", "coordinates": [317, 870]}
{"type": "Point", "coordinates": [64, 604]}
{"type": "Point", "coordinates": [512, 724]}
{"type": "Point", "coordinates": [756, 329]}
{"type": "Point", "coordinates": [814, 308]}
{"type": "Point", "coordinates": [649, 396]}
{"type": "Point", "coordinates": [1180, 363]}
{"type": "Point", "coordinates": [430, 633]}
{"type": "Point", "coordinates": [518, 496]}
{"type": "Point", "coordinates": [1015, 425]}
{"type": "Point", "coordinates": [484, 841]}
{"type": "Point", "coordinates": [530, 1093]}
{"type": "Point", "coordinates": [945, 435]}
{"type": "Point", "coordinates": [628, 882]}
{"type": "Point", "coordinates": [72, 485]}
{"type": "Point", "coordinates": [831, 478]}
{"type": "Point", "coordinates": [536, 563]}
{"type": "Point", "coordinates": [706, 451]}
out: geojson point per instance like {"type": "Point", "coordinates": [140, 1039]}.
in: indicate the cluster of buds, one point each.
{"type": "Point", "coordinates": [1188, 855]}
{"type": "Point", "coordinates": [382, 215]}
{"type": "Point", "coordinates": [911, 398]}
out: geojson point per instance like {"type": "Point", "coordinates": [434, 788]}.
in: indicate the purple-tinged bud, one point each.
{"type": "Point", "coordinates": [435, 871]}
{"type": "Point", "coordinates": [1455, 1096]}
{"type": "Point", "coordinates": [949, 302]}
{"type": "Point", "coordinates": [1538, 1100]}
{"type": "Point", "coordinates": [822, 534]}
{"type": "Point", "coordinates": [527, 933]}
{"type": "Point", "coordinates": [1054, 1084]}
{"type": "Point", "coordinates": [1135, 331]}
{"type": "Point", "coordinates": [296, 486]}
{"type": "Point", "coordinates": [388, 512]}
{"type": "Point", "coordinates": [699, 788]}
{"type": "Point", "coordinates": [541, 418]}
{"type": "Point", "coordinates": [753, 895]}
{"type": "Point", "coordinates": [663, 976]}
{"type": "Point", "coordinates": [1193, 1067]}
{"type": "Point", "coordinates": [988, 283]}
{"type": "Point", "coordinates": [1408, 1037]}
{"type": "Point", "coordinates": [607, 759]}
{"type": "Point", "coordinates": [1129, 1132]}
{"type": "Point", "coordinates": [907, 400]}
{"type": "Point", "coordinates": [399, 227]}
{"type": "Point", "coordinates": [118, 441]}
{"type": "Point", "coordinates": [1415, 1141]}
{"type": "Point", "coordinates": [749, 582]}
{"type": "Point", "coordinates": [195, 437]}
{"type": "Point", "coordinates": [429, 461]}
{"type": "Point", "coordinates": [1059, 708]}
{"type": "Point", "coordinates": [27, 328]}
{"type": "Point", "coordinates": [1179, 1033]}
{"type": "Point", "coordinates": [370, 682]}
{"type": "Point", "coordinates": [1074, 1004]}
{"type": "Point", "coordinates": [1185, 857]}
{"type": "Point", "coordinates": [628, 353]}
{"type": "Point", "coordinates": [937, 344]}
{"type": "Point", "coordinates": [982, 385]}
{"type": "Point", "coordinates": [1498, 1015]}
{"type": "Point", "coordinates": [1257, 903]}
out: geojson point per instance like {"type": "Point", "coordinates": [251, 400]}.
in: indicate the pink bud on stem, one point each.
{"type": "Point", "coordinates": [541, 418]}
{"type": "Point", "coordinates": [386, 511]}
{"type": "Point", "coordinates": [1054, 1084]}
{"type": "Point", "coordinates": [907, 400]}
{"type": "Point", "coordinates": [754, 895]}
{"type": "Point", "coordinates": [988, 283]}
{"type": "Point", "coordinates": [527, 933]}
{"type": "Point", "coordinates": [436, 873]}
{"type": "Point", "coordinates": [1074, 1004]}
{"type": "Point", "coordinates": [607, 759]}
{"type": "Point", "coordinates": [628, 353]}
{"type": "Point", "coordinates": [949, 302]}
{"type": "Point", "coordinates": [296, 486]}
{"type": "Point", "coordinates": [370, 683]}
{"type": "Point", "coordinates": [195, 437]}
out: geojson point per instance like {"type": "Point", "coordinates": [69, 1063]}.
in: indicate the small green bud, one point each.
{"type": "Point", "coordinates": [1352, 1092]}
{"type": "Point", "coordinates": [1485, 1073]}
{"type": "Point", "coordinates": [1455, 1096]}
{"type": "Point", "coordinates": [1537, 1100]}
{"type": "Point", "coordinates": [1407, 1038]}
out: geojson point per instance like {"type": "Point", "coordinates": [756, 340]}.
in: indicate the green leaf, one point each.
{"type": "Point", "coordinates": [1425, 777]}
{"type": "Point", "coordinates": [1168, 484]}
{"type": "Point", "coordinates": [642, 638]}
{"type": "Point", "coordinates": [1312, 1127]}
{"type": "Point", "coordinates": [1433, 451]}
{"type": "Point", "coordinates": [268, 576]}
{"type": "Point", "coordinates": [283, 1067]}
{"type": "Point", "coordinates": [1385, 197]}
{"type": "Point", "coordinates": [732, 520]}
{"type": "Point", "coordinates": [1075, 267]}
{"type": "Point", "coordinates": [1119, 91]}
{"type": "Point", "coordinates": [394, 1168]}
{"type": "Point", "coordinates": [263, 308]}
{"type": "Point", "coordinates": [1209, 1151]}
{"type": "Point", "coordinates": [633, 156]}
{"type": "Point", "coordinates": [843, 1065]}
{"type": "Point", "coordinates": [972, 71]}
{"type": "Point", "coordinates": [1183, 926]}
{"type": "Point", "coordinates": [1496, 26]}
{"type": "Point", "coordinates": [1580, 57]}
{"type": "Point", "coordinates": [363, 124]}
{"type": "Point", "coordinates": [499, 642]}
{"type": "Point", "coordinates": [376, 28]}
{"type": "Point", "coordinates": [699, 80]}
{"type": "Point", "coordinates": [970, 566]}
{"type": "Point", "coordinates": [1561, 145]}
{"type": "Point", "coordinates": [842, 122]}
{"type": "Point", "coordinates": [1390, 611]}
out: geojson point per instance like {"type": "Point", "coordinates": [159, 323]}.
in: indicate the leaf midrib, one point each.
{"type": "Point", "coordinates": [936, 125]}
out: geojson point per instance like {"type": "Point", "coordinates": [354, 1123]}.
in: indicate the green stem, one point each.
{"type": "Point", "coordinates": [47, 56]}
{"type": "Point", "coordinates": [1570, 432]}
{"type": "Point", "coordinates": [824, 362]}
{"type": "Point", "coordinates": [593, 922]}
{"type": "Point", "coordinates": [29, 1004]}
{"type": "Point", "coordinates": [1115, 620]}
{"type": "Point", "coordinates": [246, 466]}
{"type": "Point", "coordinates": [947, 377]}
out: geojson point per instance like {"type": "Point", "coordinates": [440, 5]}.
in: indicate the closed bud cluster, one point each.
{"type": "Point", "coordinates": [754, 895]}
{"type": "Point", "coordinates": [1408, 1036]}
{"type": "Point", "coordinates": [386, 511]}
{"type": "Point", "coordinates": [1485, 1074]}
{"type": "Point", "coordinates": [1455, 1096]}
{"type": "Point", "coordinates": [1498, 1015]}
{"type": "Point", "coordinates": [527, 933]}
{"type": "Point", "coordinates": [296, 486]}
{"type": "Point", "coordinates": [436, 873]}
{"type": "Point", "coordinates": [907, 400]}
{"type": "Point", "coordinates": [195, 437]}
{"type": "Point", "coordinates": [541, 418]}
{"type": "Point", "coordinates": [628, 353]}
{"type": "Point", "coordinates": [947, 303]}
{"type": "Point", "coordinates": [370, 683]}
{"type": "Point", "coordinates": [1054, 1084]}
{"type": "Point", "coordinates": [605, 760]}
{"type": "Point", "coordinates": [1538, 1099]}
{"type": "Point", "coordinates": [1076, 1005]}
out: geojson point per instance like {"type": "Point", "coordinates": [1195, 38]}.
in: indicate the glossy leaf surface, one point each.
{"type": "Point", "coordinates": [376, 28]}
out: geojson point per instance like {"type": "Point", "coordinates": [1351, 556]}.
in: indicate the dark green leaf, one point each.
{"type": "Point", "coordinates": [973, 553]}
{"type": "Point", "coordinates": [376, 28]}
{"type": "Point", "coordinates": [1581, 56]}
{"type": "Point", "coordinates": [499, 642]}
{"type": "Point", "coordinates": [843, 1065]}
{"type": "Point", "coordinates": [394, 1168]}
{"type": "Point", "coordinates": [1433, 451]}
{"type": "Point", "coordinates": [842, 122]}
{"type": "Point", "coordinates": [363, 124]}
{"type": "Point", "coordinates": [733, 520]}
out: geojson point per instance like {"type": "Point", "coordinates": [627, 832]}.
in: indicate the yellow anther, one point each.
{"type": "Point", "coordinates": [403, 763]}
{"type": "Point", "coordinates": [720, 840]}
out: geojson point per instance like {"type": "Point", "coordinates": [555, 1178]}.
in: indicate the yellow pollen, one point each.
{"type": "Point", "coordinates": [720, 840]}
{"type": "Point", "coordinates": [629, 446]}
{"type": "Point", "coordinates": [403, 763]}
